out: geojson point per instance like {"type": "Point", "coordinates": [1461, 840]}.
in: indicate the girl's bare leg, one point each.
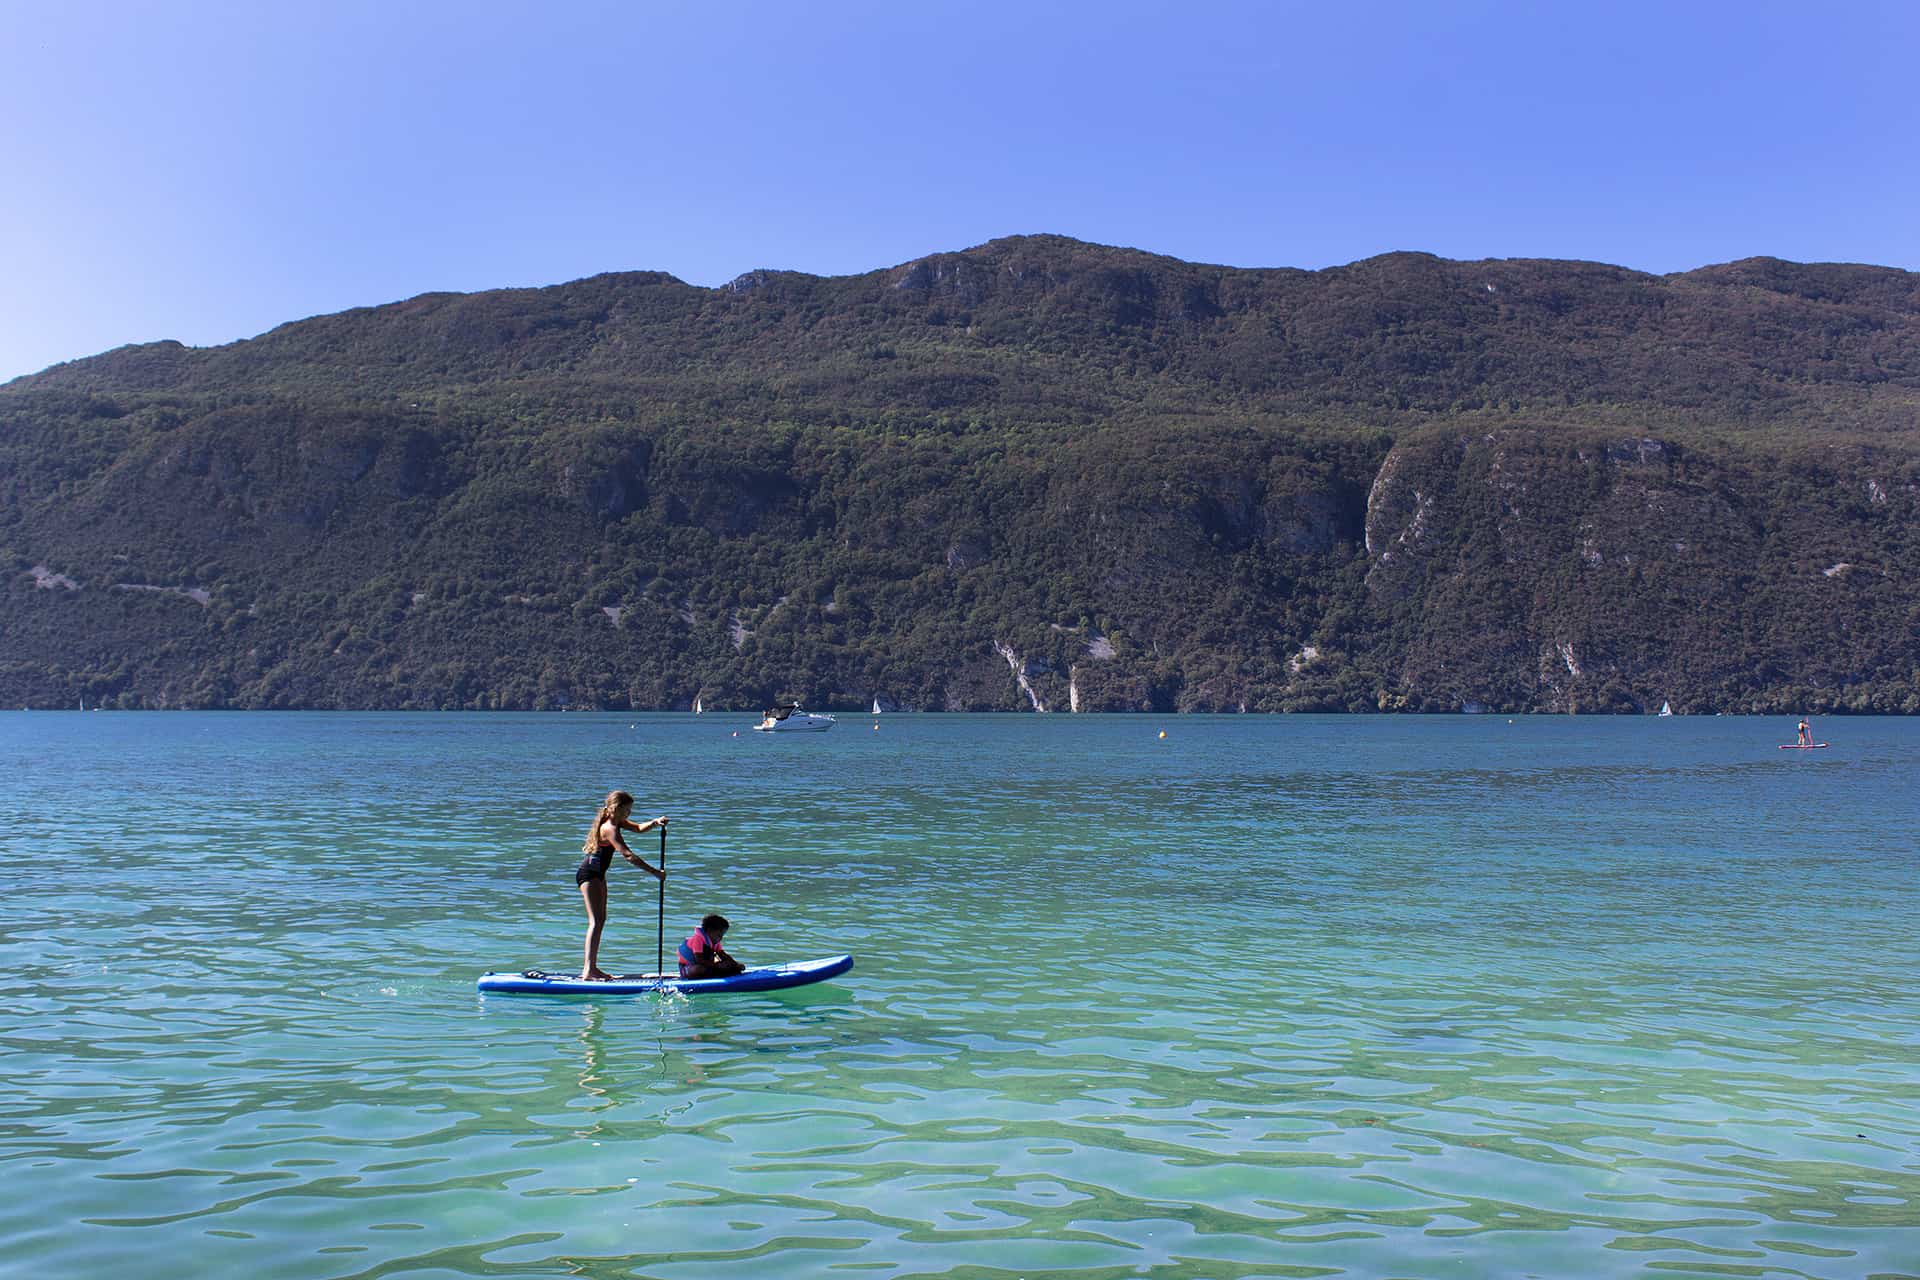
{"type": "Point", "coordinates": [594, 892]}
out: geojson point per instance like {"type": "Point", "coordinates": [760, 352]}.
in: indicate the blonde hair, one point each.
{"type": "Point", "coordinates": [608, 807]}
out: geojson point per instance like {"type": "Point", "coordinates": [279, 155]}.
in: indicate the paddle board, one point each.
{"type": "Point", "coordinates": [1803, 746]}
{"type": "Point", "coordinates": [772, 977]}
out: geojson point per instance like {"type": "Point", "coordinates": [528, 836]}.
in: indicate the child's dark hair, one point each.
{"type": "Point", "coordinates": [711, 924]}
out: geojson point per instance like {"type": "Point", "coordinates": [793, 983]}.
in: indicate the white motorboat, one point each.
{"type": "Point", "coordinates": [789, 718]}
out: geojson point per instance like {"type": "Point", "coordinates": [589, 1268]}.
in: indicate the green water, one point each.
{"type": "Point", "coordinates": [1296, 996]}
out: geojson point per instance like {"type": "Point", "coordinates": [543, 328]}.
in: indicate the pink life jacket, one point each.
{"type": "Point", "coordinates": [697, 947]}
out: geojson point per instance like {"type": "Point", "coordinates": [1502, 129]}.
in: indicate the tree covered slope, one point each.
{"type": "Point", "coordinates": [1034, 474]}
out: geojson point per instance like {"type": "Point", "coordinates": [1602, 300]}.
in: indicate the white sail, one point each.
{"type": "Point", "coordinates": [1666, 708]}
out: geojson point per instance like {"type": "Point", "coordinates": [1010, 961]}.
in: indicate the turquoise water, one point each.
{"type": "Point", "coordinates": [1295, 996]}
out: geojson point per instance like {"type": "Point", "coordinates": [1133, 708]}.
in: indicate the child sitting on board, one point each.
{"type": "Point", "coordinates": [701, 955]}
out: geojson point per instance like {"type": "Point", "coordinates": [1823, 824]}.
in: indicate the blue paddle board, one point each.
{"type": "Point", "coordinates": [772, 977]}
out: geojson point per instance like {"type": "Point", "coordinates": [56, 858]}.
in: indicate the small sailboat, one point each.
{"type": "Point", "coordinates": [876, 706]}
{"type": "Point", "coordinates": [1666, 708]}
{"type": "Point", "coordinates": [698, 709]}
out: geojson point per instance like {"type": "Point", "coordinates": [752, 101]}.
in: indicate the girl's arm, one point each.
{"type": "Point", "coordinates": [630, 855]}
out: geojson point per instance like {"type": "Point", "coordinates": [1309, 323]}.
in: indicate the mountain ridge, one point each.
{"type": "Point", "coordinates": [1404, 483]}
{"type": "Point", "coordinates": [1023, 257]}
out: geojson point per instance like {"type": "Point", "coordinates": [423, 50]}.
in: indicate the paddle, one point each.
{"type": "Point", "coordinates": [660, 948]}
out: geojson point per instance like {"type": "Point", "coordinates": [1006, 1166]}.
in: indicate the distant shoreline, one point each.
{"type": "Point", "coordinates": [852, 715]}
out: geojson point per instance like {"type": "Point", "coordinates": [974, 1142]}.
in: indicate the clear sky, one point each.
{"type": "Point", "coordinates": [205, 171]}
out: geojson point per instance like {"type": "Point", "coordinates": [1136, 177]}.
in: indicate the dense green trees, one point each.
{"type": "Point", "coordinates": [1405, 484]}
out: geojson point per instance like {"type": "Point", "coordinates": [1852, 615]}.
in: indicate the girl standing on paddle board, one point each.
{"type": "Point", "coordinates": [1806, 733]}
{"type": "Point", "coordinates": [603, 840]}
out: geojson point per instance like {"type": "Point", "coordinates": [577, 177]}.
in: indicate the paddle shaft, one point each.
{"type": "Point", "coordinates": [660, 949]}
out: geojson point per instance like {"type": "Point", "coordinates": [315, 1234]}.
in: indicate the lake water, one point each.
{"type": "Point", "coordinates": [1292, 996]}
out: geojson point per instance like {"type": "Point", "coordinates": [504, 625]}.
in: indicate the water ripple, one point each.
{"type": "Point", "coordinates": [1266, 998]}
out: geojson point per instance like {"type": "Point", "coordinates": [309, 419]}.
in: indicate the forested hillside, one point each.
{"type": "Point", "coordinates": [1034, 474]}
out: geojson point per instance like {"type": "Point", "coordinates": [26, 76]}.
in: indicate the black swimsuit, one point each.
{"type": "Point", "coordinates": [594, 865]}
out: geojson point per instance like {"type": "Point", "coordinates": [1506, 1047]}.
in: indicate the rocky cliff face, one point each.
{"type": "Point", "coordinates": [1613, 574]}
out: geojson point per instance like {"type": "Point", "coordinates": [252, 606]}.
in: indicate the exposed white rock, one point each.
{"type": "Point", "coordinates": [1307, 655]}
{"type": "Point", "coordinates": [1566, 656]}
{"type": "Point", "coordinates": [738, 631]}
{"type": "Point", "coordinates": [1875, 494]}
{"type": "Point", "coordinates": [1644, 450]}
{"type": "Point", "coordinates": [1381, 481]}
{"type": "Point", "coordinates": [1837, 569]}
{"type": "Point", "coordinates": [199, 595]}
{"type": "Point", "coordinates": [614, 611]}
{"type": "Point", "coordinates": [1379, 495]}
{"type": "Point", "coordinates": [1099, 648]}
{"type": "Point", "coordinates": [1019, 674]}
{"type": "Point", "coordinates": [47, 580]}
{"type": "Point", "coordinates": [1417, 527]}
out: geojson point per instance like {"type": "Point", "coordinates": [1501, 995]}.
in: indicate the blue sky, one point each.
{"type": "Point", "coordinates": [206, 171]}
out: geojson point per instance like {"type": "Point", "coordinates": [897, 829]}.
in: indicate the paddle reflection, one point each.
{"type": "Point", "coordinates": [593, 1052]}
{"type": "Point", "coordinates": [664, 1071]}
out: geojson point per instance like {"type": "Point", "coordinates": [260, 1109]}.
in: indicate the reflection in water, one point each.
{"type": "Point", "coordinates": [634, 1061]}
{"type": "Point", "coordinates": [594, 1050]}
